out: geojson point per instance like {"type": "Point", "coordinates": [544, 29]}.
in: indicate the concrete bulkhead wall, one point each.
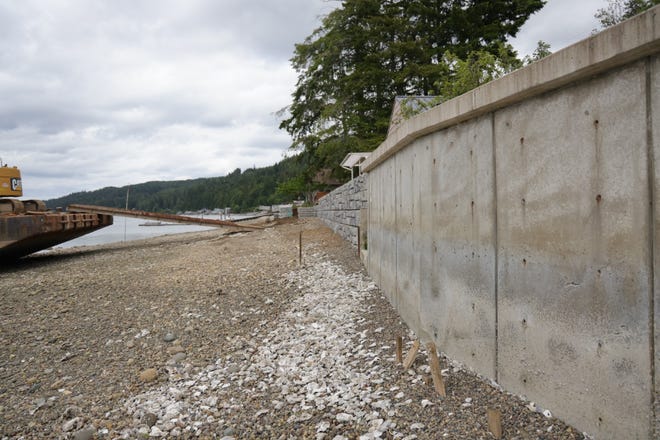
{"type": "Point", "coordinates": [517, 226]}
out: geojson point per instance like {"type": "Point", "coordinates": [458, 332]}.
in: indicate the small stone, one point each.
{"type": "Point", "coordinates": [174, 349]}
{"type": "Point", "coordinates": [156, 432]}
{"type": "Point", "coordinates": [72, 424]}
{"type": "Point", "coordinates": [229, 432]}
{"type": "Point", "coordinates": [71, 411]}
{"type": "Point", "coordinates": [57, 384]}
{"type": "Point", "coordinates": [149, 419]}
{"type": "Point", "coordinates": [169, 337]}
{"type": "Point", "coordinates": [149, 375]}
{"type": "Point", "coordinates": [343, 417]}
{"type": "Point", "coordinates": [177, 358]}
{"type": "Point", "coordinates": [130, 344]}
{"type": "Point", "coordinates": [85, 434]}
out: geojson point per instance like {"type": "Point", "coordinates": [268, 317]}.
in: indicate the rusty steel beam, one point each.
{"type": "Point", "coordinates": [158, 216]}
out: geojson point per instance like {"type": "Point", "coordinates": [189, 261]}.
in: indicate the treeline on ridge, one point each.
{"type": "Point", "coordinates": [239, 190]}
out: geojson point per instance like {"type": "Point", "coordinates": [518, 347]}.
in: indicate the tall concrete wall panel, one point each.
{"type": "Point", "coordinates": [388, 252]}
{"type": "Point", "coordinates": [518, 227]}
{"type": "Point", "coordinates": [574, 251]}
{"type": "Point", "coordinates": [375, 215]}
{"type": "Point", "coordinates": [653, 141]}
{"type": "Point", "coordinates": [407, 282]}
{"type": "Point", "coordinates": [457, 309]}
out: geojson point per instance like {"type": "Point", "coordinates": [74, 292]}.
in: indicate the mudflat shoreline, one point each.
{"type": "Point", "coordinates": [205, 335]}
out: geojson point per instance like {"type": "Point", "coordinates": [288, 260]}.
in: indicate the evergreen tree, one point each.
{"type": "Point", "coordinates": [367, 52]}
{"type": "Point", "coordinates": [620, 10]}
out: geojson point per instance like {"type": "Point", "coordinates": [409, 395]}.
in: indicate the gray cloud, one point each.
{"type": "Point", "coordinates": [560, 23]}
{"type": "Point", "coordinates": [98, 93]}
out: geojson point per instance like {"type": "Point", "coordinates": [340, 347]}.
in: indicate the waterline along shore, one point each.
{"type": "Point", "coordinates": [215, 335]}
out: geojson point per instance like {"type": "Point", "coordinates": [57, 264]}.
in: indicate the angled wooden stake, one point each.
{"type": "Point", "coordinates": [412, 354]}
{"type": "Point", "coordinates": [436, 373]}
{"type": "Point", "coordinates": [399, 349]}
{"type": "Point", "coordinates": [495, 422]}
{"type": "Point", "coordinates": [300, 248]}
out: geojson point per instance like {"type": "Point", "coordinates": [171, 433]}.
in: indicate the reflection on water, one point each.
{"type": "Point", "coordinates": [127, 229]}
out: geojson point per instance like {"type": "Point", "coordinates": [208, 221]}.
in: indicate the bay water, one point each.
{"type": "Point", "coordinates": [128, 229]}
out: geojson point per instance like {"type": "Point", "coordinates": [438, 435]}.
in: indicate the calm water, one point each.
{"type": "Point", "coordinates": [127, 229]}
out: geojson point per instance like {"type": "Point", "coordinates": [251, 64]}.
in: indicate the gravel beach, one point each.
{"type": "Point", "coordinates": [219, 335]}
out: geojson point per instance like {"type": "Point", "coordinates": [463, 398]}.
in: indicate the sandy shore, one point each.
{"type": "Point", "coordinates": [206, 335]}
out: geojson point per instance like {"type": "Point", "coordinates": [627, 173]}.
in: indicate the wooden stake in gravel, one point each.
{"type": "Point", "coordinates": [300, 248]}
{"type": "Point", "coordinates": [495, 422]}
{"type": "Point", "coordinates": [412, 354]}
{"type": "Point", "coordinates": [399, 349]}
{"type": "Point", "coordinates": [438, 383]}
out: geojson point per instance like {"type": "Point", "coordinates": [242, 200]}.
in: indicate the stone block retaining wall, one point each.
{"type": "Point", "coordinates": [340, 209]}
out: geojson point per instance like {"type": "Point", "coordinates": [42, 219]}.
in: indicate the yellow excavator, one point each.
{"type": "Point", "coordinates": [11, 186]}
{"type": "Point", "coordinates": [10, 182]}
{"type": "Point", "coordinates": [27, 226]}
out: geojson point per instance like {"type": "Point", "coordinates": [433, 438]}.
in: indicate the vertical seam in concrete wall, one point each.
{"type": "Point", "coordinates": [651, 206]}
{"type": "Point", "coordinates": [495, 244]}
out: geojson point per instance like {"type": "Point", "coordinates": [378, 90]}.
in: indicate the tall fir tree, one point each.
{"type": "Point", "coordinates": [367, 52]}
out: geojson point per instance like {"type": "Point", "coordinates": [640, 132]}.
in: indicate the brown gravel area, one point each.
{"type": "Point", "coordinates": [79, 327]}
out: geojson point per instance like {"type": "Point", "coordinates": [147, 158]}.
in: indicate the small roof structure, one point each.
{"type": "Point", "coordinates": [353, 160]}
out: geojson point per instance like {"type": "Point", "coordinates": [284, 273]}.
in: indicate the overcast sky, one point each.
{"type": "Point", "coordinates": [97, 93]}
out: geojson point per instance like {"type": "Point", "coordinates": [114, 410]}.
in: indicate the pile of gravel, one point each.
{"type": "Point", "coordinates": [313, 368]}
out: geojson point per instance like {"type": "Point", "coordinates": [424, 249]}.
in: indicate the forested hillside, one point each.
{"type": "Point", "coordinates": [239, 190]}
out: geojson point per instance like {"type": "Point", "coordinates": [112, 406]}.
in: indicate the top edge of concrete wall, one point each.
{"type": "Point", "coordinates": [626, 42]}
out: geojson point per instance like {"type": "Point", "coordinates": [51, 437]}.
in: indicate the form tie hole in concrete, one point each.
{"type": "Point", "coordinates": [434, 161]}
{"type": "Point", "coordinates": [522, 140]}
{"type": "Point", "coordinates": [524, 323]}
{"type": "Point", "coordinates": [524, 262]}
{"type": "Point", "coordinates": [523, 201]}
{"type": "Point", "coordinates": [599, 198]}
{"type": "Point", "coordinates": [596, 123]}
{"type": "Point", "coordinates": [598, 272]}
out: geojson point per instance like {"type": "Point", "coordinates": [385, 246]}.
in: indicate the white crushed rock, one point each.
{"type": "Point", "coordinates": [312, 361]}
